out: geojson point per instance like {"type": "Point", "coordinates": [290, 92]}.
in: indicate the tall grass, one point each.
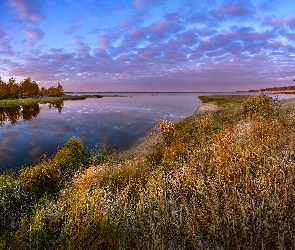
{"type": "Point", "coordinates": [224, 180]}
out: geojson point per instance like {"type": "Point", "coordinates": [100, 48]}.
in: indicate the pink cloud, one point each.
{"type": "Point", "coordinates": [133, 21]}
{"type": "Point", "coordinates": [197, 17]}
{"type": "Point", "coordinates": [106, 41]}
{"type": "Point", "coordinates": [137, 33]}
{"type": "Point", "coordinates": [246, 35]}
{"type": "Point", "coordinates": [75, 23]}
{"type": "Point", "coordinates": [231, 9]}
{"type": "Point", "coordinates": [146, 53]}
{"type": "Point", "coordinates": [259, 36]}
{"type": "Point", "coordinates": [160, 26]}
{"type": "Point", "coordinates": [141, 4]}
{"type": "Point", "coordinates": [188, 38]}
{"type": "Point", "coordinates": [174, 55]}
{"type": "Point", "coordinates": [27, 9]}
{"type": "Point", "coordinates": [61, 57]}
{"type": "Point", "coordinates": [3, 35]}
{"type": "Point", "coordinates": [103, 42]}
{"type": "Point", "coordinates": [123, 58]}
{"type": "Point", "coordinates": [83, 49]}
{"type": "Point", "coordinates": [29, 43]}
{"type": "Point", "coordinates": [291, 22]}
{"type": "Point", "coordinates": [166, 24]}
{"type": "Point", "coordinates": [276, 45]}
{"type": "Point", "coordinates": [291, 36]}
{"type": "Point", "coordinates": [274, 21]}
{"type": "Point", "coordinates": [35, 34]}
{"type": "Point", "coordinates": [5, 46]}
{"type": "Point", "coordinates": [224, 11]}
{"type": "Point", "coordinates": [180, 41]}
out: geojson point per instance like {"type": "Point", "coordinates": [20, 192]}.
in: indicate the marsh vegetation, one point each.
{"type": "Point", "coordinates": [223, 179]}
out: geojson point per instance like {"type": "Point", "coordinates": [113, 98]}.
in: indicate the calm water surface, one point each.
{"type": "Point", "coordinates": [26, 134]}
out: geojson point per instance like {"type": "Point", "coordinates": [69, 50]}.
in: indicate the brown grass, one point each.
{"type": "Point", "coordinates": [223, 180]}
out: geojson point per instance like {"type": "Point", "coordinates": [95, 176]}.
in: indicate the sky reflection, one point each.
{"type": "Point", "coordinates": [116, 121]}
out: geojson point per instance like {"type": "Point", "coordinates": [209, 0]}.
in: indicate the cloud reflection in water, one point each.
{"type": "Point", "coordinates": [116, 121]}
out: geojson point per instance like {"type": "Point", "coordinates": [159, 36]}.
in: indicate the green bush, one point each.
{"type": "Point", "coordinates": [48, 177]}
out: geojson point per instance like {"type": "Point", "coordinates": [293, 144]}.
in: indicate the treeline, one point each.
{"type": "Point", "coordinates": [274, 89]}
{"type": "Point", "coordinates": [279, 88]}
{"type": "Point", "coordinates": [26, 88]}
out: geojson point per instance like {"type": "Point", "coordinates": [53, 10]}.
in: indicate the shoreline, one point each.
{"type": "Point", "coordinates": [156, 138]}
{"type": "Point", "coordinates": [48, 99]}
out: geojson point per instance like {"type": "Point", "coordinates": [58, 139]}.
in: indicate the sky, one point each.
{"type": "Point", "coordinates": [149, 45]}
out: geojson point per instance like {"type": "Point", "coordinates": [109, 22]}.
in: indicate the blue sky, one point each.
{"type": "Point", "coordinates": [149, 45]}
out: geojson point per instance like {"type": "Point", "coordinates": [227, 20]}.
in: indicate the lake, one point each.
{"type": "Point", "coordinates": [28, 133]}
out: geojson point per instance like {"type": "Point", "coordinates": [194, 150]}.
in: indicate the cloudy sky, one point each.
{"type": "Point", "coordinates": [149, 45]}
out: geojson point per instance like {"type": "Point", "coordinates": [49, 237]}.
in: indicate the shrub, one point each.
{"type": "Point", "coordinates": [14, 202]}
{"type": "Point", "coordinates": [100, 154]}
{"type": "Point", "coordinates": [165, 127]}
{"type": "Point", "coordinates": [48, 177]}
{"type": "Point", "coordinates": [259, 106]}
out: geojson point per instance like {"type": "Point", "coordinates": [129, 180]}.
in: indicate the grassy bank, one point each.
{"type": "Point", "coordinates": [220, 180]}
{"type": "Point", "coordinates": [45, 99]}
{"type": "Point", "coordinates": [223, 100]}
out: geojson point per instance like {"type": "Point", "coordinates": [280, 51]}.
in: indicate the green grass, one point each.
{"type": "Point", "coordinates": [224, 99]}
{"type": "Point", "coordinates": [224, 180]}
{"type": "Point", "coordinates": [46, 99]}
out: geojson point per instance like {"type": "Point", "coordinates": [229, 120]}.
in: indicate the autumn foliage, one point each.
{"type": "Point", "coordinates": [26, 88]}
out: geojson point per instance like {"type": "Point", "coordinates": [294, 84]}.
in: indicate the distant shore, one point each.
{"type": "Point", "coordinates": [48, 99]}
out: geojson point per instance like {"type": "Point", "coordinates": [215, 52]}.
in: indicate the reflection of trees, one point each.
{"type": "Point", "coordinates": [13, 114]}
{"type": "Point", "coordinates": [30, 111]}
{"type": "Point", "coordinates": [57, 105]}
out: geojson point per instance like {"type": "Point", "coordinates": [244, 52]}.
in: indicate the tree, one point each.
{"type": "Point", "coordinates": [60, 89]}
{"type": "Point", "coordinates": [13, 88]}
{"type": "Point", "coordinates": [43, 91]}
{"type": "Point", "coordinates": [28, 88]}
{"type": "Point", "coordinates": [55, 91]}
{"type": "Point", "coordinates": [3, 89]}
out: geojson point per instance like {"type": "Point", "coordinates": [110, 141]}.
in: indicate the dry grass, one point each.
{"type": "Point", "coordinates": [224, 180]}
